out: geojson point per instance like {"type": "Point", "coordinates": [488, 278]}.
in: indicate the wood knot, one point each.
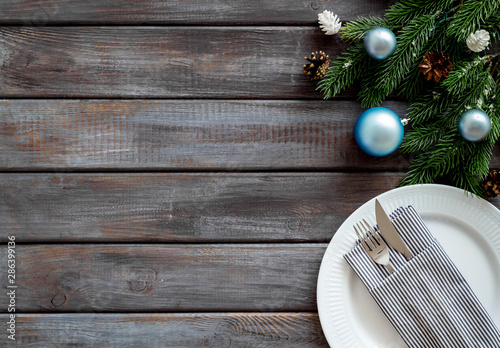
{"type": "Point", "coordinates": [293, 224]}
{"type": "Point", "coordinates": [315, 5]}
{"type": "Point", "coordinates": [142, 280]}
{"type": "Point", "coordinates": [58, 300]}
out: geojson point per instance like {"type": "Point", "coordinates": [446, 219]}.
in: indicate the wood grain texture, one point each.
{"type": "Point", "coordinates": [287, 330]}
{"type": "Point", "coordinates": [182, 207]}
{"type": "Point", "coordinates": [199, 12]}
{"type": "Point", "coordinates": [164, 278]}
{"type": "Point", "coordinates": [163, 62]}
{"type": "Point", "coordinates": [184, 135]}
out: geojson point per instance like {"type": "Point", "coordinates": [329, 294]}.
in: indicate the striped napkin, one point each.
{"type": "Point", "coordinates": [426, 299]}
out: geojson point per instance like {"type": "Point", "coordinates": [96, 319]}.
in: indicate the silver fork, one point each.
{"type": "Point", "coordinates": [373, 245]}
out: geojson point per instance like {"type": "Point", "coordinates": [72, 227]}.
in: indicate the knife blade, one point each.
{"type": "Point", "coordinates": [388, 231]}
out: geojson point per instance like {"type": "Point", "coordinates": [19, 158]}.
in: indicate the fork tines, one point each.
{"type": "Point", "coordinates": [373, 244]}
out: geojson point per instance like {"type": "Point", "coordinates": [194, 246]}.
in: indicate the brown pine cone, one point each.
{"type": "Point", "coordinates": [436, 64]}
{"type": "Point", "coordinates": [491, 183]}
{"type": "Point", "coordinates": [318, 65]}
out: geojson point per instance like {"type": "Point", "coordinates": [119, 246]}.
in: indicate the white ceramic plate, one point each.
{"type": "Point", "coordinates": [467, 227]}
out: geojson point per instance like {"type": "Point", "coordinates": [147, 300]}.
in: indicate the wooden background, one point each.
{"type": "Point", "coordinates": [170, 175]}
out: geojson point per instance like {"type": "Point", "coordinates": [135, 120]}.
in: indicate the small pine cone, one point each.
{"type": "Point", "coordinates": [491, 183]}
{"type": "Point", "coordinates": [329, 22]}
{"type": "Point", "coordinates": [478, 41]}
{"type": "Point", "coordinates": [319, 64]}
{"type": "Point", "coordinates": [436, 64]}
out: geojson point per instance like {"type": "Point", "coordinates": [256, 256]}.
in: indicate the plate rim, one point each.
{"type": "Point", "coordinates": [393, 193]}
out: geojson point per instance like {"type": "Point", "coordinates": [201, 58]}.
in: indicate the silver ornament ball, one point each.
{"type": "Point", "coordinates": [474, 125]}
{"type": "Point", "coordinates": [380, 43]}
{"type": "Point", "coordinates": [378, 131]}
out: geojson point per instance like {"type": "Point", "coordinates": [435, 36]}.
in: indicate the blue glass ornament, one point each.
{"type": "Point", "coordinates": [378, 131]}
{"type": "Point", "coordinates": [380, 43]}
{"type": "Point", "coordinates": [474, 125]}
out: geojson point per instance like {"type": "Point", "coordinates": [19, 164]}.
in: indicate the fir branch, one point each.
{"type": "Point", "coordinates": [423, 26]}
{"type": "Point", "coordinates": [492, 25]}
{"type": "Point", "coordinates": [413, 82]}
{"type": "Point", "coordinates": [433, 163]}
{"type": "Point", "coordinates": [418, 173]}
{"type": "Point", "coordinates": [493, 112]}
{"type": "Point", "coordinates": [404, 11]}
{"type": "Point", "coordinates": [469, 17]}
{"type": "Point", "coordinates": [474, 96]}
{"type": "Point", "coordinates": [370, 95]}
{"type": "Point", "coordinates": [464, 75]}
{"type": "Point", "coordinates": [429, 106]}
{"type": "Point", "coordinates": [421, 138]}
{"type": "Point", "coordinates": [443, 152]}
{"type": "Point", "coordinates": [467, 181]}
{"type": "Point", "coordinates": [411, 44]}
{"type": "Point", "coordinates": [445, 158]}
{"type": "Point", "coordinates": [412, 40]}
{"type": "Point", "coordinates": [348, 67]}
{"type": "Point", "coordinates": [355, 31]}
{"type": "Point", "coordinates": [478, 159]}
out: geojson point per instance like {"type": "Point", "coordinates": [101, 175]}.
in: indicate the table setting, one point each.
{"type": "Point", "coordinates": [443, 294]}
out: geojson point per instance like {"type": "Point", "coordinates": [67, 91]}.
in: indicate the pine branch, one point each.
{"type": "Point", "coordinates": [494, 113]}
{"type": "Point", "coordinates": [469, 17]}
{"type": "Point", "coordinates": [492, 25]}
{"type": "Point", "coordinates": [412, 40]}
{"type": "Point", "coordinates": [404, 11]}
{"type": "Point", "coordinates": [464, 75]}
{"type": "Point", "coordinates": [444, 158]}
{"type": "Point", "coordinates": [442, 151]}
{"type": "Point", "coordinates": [418, 174]}
{"type": "Point", "coordinates": [421, 139]}
{"type": "Point", "coordinates": [434, 104]}
{"type": "Point", "coordinates": [422, 26]}
{"type": "Point", "coordinates": [474, 97]}
{"type": "Point", "coordinates": [355, 31]}
{"type": "Point", "coordinates": [467, 181]}
{"type": "Point", "coordinates": [413, 82]}
{"type": "Point", "coordinates": [348, 67]}
{"type": "Point", "coordinates": [353, 63]}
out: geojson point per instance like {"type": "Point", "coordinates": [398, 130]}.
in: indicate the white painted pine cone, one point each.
{"type": "Point", "coordinates": [329, 22]}
{"type": "Point", "coordinates": [478, 41]}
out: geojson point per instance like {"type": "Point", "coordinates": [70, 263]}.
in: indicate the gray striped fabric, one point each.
{"type": "Point", "coordinates": [426, 299]}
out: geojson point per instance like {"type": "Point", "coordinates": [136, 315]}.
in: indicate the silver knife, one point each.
{"type": "Point", "coordinates": [388, 231]}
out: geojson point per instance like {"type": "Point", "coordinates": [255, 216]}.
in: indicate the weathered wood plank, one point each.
{"type": "Point", "coordinates": [244, 207]}
{"type": "Point", "coordinates": [197, 12]}
{"type": "Point", "coordinates": [166, 62]}
{"type": "Point", "coordinates": [184, 134]}
{"type": "Point", "coordinates": [288, 330]}
{"type": "Point", "coordinates": [164, 278]}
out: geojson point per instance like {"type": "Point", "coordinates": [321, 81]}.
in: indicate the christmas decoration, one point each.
{"type": "Point", "coordinates": [378, 131]}
{"type": "Point", "coordinates": [380, 43]}
{"type": "Point", "coordinates": [478, 41]}
{"type": "Point", "coordinates": [474, 125]}
{"type": "Point", "coordinates": [463, 80]}
{"type": "Point", "coordinates": [491, 183]}
{"type": "Point", "coordinates": [329, 22]}
{"type": "Point", "coordinates": [436, 64]}
{"type": "Point", "coordinates": [318, 65]}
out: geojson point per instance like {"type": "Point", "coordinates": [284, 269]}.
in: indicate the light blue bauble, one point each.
{"type": "Point", "coordinates": [380, 43]}
{"type": "Point", "coordinates": [378, 131]}
{"type": "Point", "coordinates": [474, 125]}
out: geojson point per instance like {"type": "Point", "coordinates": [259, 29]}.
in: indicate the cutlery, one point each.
{"type": "Point", "coordinates": [373, 245]}
{"type": "Point", "coordinates": [388, 231]}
